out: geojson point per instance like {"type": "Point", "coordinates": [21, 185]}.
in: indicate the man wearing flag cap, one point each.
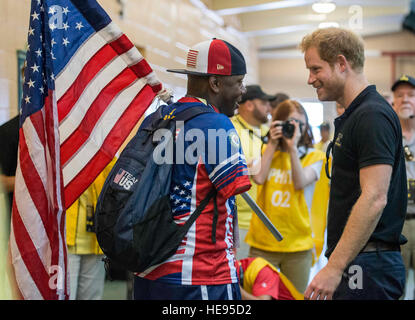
{"type": "Point", "coordinates": [404, 104]}
{"type": "Point", "coordinates": [202, 268]}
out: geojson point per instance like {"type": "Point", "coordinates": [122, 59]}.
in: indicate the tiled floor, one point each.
{"type": "Point", "coordinates": [117, 289]}
{"type": "Point", "coordinates": [410, 286]}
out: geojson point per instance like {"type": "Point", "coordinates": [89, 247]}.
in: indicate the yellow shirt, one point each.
{"type": "Point", "coordinates": [286, 207]}
{"type": "Point", "coordinates": [79, 240]}
{"type": "Point", "coordinates": [251, 273]}
{"type": "Point", "coordinates": [251, 146]}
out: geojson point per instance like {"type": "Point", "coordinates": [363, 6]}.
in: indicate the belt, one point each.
{"type": "Point", "coordinates": [373, 246]}
{"type": "Point", "coordinates": [410, 216]}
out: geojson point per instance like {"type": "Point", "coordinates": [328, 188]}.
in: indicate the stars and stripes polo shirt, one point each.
{"type": "Point", "coordinates": [213, 158]}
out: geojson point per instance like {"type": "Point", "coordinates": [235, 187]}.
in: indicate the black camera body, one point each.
{"type": "Point", "coordinates": [287, 129]}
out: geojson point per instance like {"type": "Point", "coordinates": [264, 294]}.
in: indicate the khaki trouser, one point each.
{"type": "Point", "coordinates": [243, 250]}
{"type": "Point", "coordinates": [408, 249]}
{"type": "Point", "coordinates": [294, 265]}
{"type": "Point", "coordinates": [87, 276]}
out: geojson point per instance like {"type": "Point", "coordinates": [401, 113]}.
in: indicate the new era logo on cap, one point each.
{"type": "Point", "coordinates": [214, 57]}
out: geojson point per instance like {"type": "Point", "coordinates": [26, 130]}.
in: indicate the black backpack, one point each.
{"type": "Point", "coordinates": [133, 219]}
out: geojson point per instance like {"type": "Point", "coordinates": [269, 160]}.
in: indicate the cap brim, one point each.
{"type": "Point", "coordinates": [265, 97]}
{"type": "Point", "coordinates": [269, 97]}
{"type": "Point", "coordinates": [184, 71]}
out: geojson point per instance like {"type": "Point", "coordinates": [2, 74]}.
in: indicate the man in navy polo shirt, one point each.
{"type": "Point", "coordinates": [201, 268]}
{"type": "Point", "coordinates": [368, 180]}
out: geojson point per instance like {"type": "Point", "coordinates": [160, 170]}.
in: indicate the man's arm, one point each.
{"type": "Point", "coordinates": [8, 182]}
{"type": "Point", "coordinates": [365, 214]}
{"type": "Point", "coordinates": [247, 296]}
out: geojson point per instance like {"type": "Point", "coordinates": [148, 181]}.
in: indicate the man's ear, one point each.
{"type": "Point", "coordinates": [342, 62]}
{"type": "Point", "coordinates": [249, 105]}
{"type": "Point", "coordinates": [214, 84]}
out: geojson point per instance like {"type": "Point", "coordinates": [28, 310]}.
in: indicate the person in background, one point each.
{"type": "Point", "coordinates": [260, 280]}
{"type": "Point", "coordinates": [251, 125]}
{"type": "Point", "coordinates": [288, 177]}
{"type": "Point", "coordinates": [325, 137]}
{"type": "Point", "coordinates": [368, 199]}
{"type": "Point", "coordinates": [279, 97]}
{"type": "Point", "coordinates": [404, 105]}
{"type": "Point", "coordinates": [9, 143]}
{"type": "Point", "coordinates": [86, 268]}
{"type": "Point", "coordinates": [5, 286]}
{"type": "Point", "coordinates": [388, 97]}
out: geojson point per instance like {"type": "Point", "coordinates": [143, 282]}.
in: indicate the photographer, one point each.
{"type": "Point", "coordinates": [289, 172]}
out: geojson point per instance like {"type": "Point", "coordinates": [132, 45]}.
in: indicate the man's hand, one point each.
{"type": "Point", "coordinates": [324, 284]}
{"type": "Point", "coordinates": [8, 182]}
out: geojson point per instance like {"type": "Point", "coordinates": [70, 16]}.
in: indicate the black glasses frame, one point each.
{"type": "Point", "coordinates": [328, 151]}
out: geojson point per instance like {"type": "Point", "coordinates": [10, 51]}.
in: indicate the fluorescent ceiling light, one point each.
{"type": "Point", "coordinates": [209, 13]}
{"type": "Point", "coordinates": [323, 7]}
{"type": "Point", "coordinates": [278, 30]}
{"type": "Point", "coordinates": [265, 6]}
{"type": "Point", "coordinates": [323, 25]}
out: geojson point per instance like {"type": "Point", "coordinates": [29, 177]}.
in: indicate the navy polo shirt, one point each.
{"type": "Point", "coordinates": [368, 133]}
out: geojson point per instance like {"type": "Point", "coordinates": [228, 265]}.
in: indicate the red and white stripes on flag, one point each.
{"type": "Point", "coordinates": [101, 95]}
{"type": "Point", "coordinates": [37, 239]}
{"type": "Point", "coordinates": [74, 117]}
{"type": "Point", "coordinates": [192, 58]}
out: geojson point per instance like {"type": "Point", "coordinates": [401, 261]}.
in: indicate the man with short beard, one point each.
{"type": "Point", "coordinates": [404, 104]}
{"type": "Point", "coordinates": [368, 199]}
{"type": "Point", "coordinates": [251, 125]}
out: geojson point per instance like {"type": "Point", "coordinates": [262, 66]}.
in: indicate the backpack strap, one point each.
{"type": "Point", "coordinates": [193, 111]}
{"type": "Point", "coordinates": [185, 115]}
{"type": "Point", "coordinates": [215, 218]}
{"type": "Point", "coordinates": [202, 205]}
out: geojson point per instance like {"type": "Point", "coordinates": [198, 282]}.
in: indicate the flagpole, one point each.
{"type": "Point", "coordinates": [261, 215]}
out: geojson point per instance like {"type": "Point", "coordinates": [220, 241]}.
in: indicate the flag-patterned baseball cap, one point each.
{"type": "Point", "coordinates": [214, 57]}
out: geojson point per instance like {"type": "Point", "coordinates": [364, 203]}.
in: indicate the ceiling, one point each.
{"type": "Point", "coordinates": [282, 24]}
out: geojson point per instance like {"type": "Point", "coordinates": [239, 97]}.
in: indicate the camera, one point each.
{"type": "Point", "coordinates": [287, 129]}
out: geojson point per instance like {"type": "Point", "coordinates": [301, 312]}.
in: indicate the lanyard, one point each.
{"type": "Point", "coordinates": [264, 139]}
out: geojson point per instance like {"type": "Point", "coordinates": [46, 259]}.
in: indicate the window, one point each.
{"type": "Point", "coordinates": [315, 117]}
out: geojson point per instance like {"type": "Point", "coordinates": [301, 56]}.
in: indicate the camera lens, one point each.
{"type": "Point", "coordinates": [288, 129]}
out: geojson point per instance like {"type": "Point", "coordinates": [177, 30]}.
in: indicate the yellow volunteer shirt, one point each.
{"type": "Point", "coordinates": [78, 239]}
{"type": "Point", "coordinates": [287, 208]}
{"type": "Point", "coordinates": [251, 143]}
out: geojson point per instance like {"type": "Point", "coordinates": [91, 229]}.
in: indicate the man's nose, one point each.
{"type": "Point", "coordinates": [311, 79]}
{"type": "Point", "coordinates": [405, 97]}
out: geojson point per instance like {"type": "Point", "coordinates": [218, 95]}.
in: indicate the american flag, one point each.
{"type": "Point", "coordinates": [192, 58]}
{"type": "Point", "coordinates": [86, 86]}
